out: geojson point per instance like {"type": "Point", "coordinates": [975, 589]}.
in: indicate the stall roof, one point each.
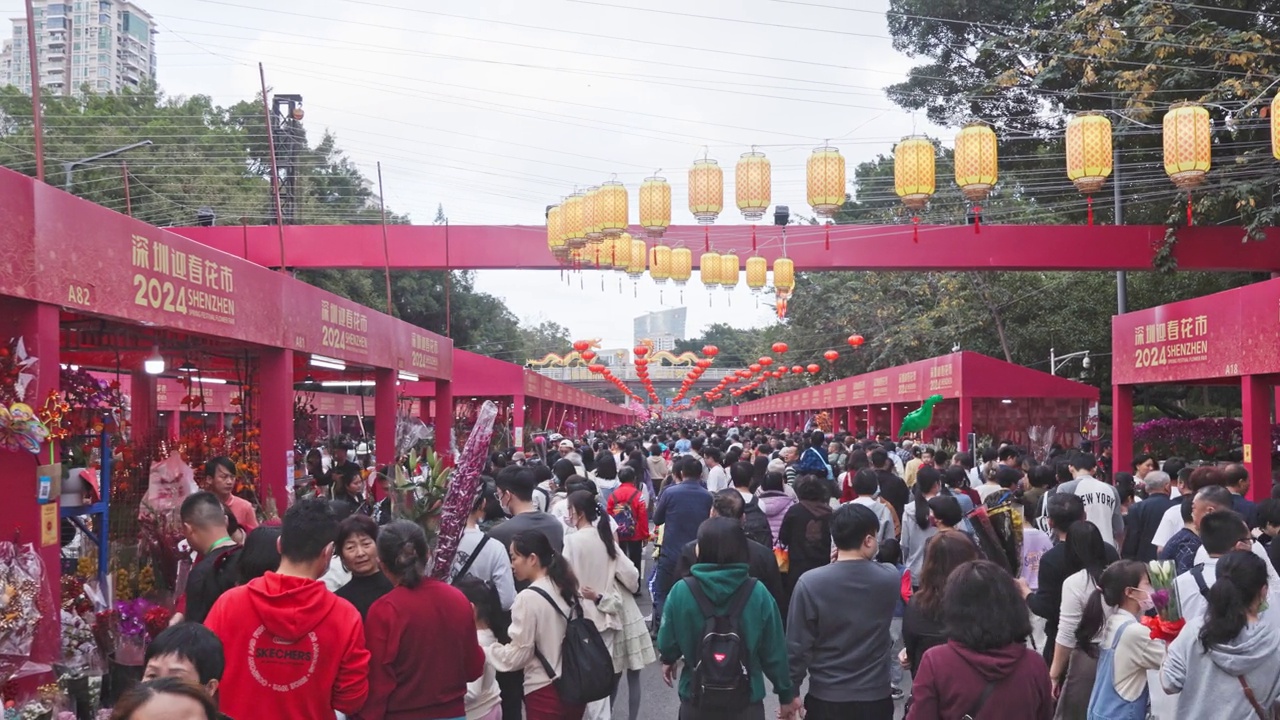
{"type": "Point", "coordinates": [961, 374]}
{"type": "Point", "coordinates": [1216, 337]}
{"type": "Point", "coordinates": [481, 376]}
{"type": "Point", "coordinates": [69, 252]}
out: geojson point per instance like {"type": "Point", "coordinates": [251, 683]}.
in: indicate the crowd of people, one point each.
{"type": "Point", "coordinates": [1005, 586]}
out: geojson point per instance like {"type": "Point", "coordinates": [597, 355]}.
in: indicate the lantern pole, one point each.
{"type": "Point", "coordinates": [1122, 278]}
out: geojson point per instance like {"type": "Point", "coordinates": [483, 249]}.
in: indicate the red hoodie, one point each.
{"type": "Point", "coordinates": [294, 650]}
{"type": "Point", "coordinates": [952, 677]}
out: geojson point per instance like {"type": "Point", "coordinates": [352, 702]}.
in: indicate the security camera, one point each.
{"type": "Point", "coordinates": [1086, 362]}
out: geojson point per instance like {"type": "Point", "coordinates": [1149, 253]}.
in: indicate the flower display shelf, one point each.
{"type": "Point", "coordinates": [99, 510]}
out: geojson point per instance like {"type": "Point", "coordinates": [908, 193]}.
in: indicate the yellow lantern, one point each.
{"type": "Point", "coordinates": [706, 190]}
{"type": "Point", "coordinates": [655, 205]}
{"type": "Point", "coordinates": [1089, 151]}
{"type": "Point", "coordinates": [757, 273]}
{"type": "Point", "coordinates": [784, 276]}
{"type": "Point", "coordinates": [622, 252]}
{"type": "Point", "coordinates": [825, 180]}
{"type": "Point", "coordinates": [976, 161]}
{"type": "Point", "coordinates": [1187, 145]}
{"type": "Point", "coordinates": [555, 229]}
{"type": "Point", "coordinates": [611, 209]}
{"type": "Point", "coordinates": [681, 265]}
{"type": "Point", "coordinates": [660, 264]}
{"type": "Point", "coordinates": [573, 218]}
{"type": "Point", "coordinates": [591, 215]}
{"type": "Point", "coordinates": [636, 261]}
{"type": "Point", "coordinates": [709, 269]}
{"type": "Point", "coordinates": [913, 171]}
{"type": "Point", "coordinates": [1275, 128]}
{"type": "Point", "coordinates": [604, 257]}
{"type": "Point", "coordinates": [729, 271]}
{"type": "Point", "coordinates": [753, 184]}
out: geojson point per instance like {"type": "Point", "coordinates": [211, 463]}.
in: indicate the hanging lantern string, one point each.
{"type": "Point", "coordinates": [826, 241]}
{"type": "Point", "coordinates": [1189, 222]}
{"type": "Point", "coordinates": [1089, 202]}
{"type": "Point", "coordinates": [915, 229]}
{"type": "Point", "coordinates": [977, 220]}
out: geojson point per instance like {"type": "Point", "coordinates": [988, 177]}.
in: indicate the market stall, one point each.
{"type": "Point", "coordinates": [85, 290]}
{"type": "Point", "coordinates": [981, 395]}
{"type": "Point", "coordinates": [1228, 338]}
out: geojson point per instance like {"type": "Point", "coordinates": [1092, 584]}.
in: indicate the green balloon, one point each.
{"type": "Point", "coordinates": [920, 418]}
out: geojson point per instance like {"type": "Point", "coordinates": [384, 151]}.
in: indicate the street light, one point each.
{"type": "Point", "coordinates": [1057, 361]}
{"type": "Point", "coordinates": [69, 168]}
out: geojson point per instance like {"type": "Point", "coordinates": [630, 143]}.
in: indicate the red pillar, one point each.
{"type": "Point", "coordinates": [276, 420]}
{"type": "Point", "coordinates": [966, 423]}
{"type": "Point", "coordinates": [895, 420]}
{"type": "Point", "coordinates": [1122, 427]}
{"type": "Point", "coordinates": [444, 419]}
{"type": "Point", "coordinates": [142, 405]}
{"type": "Point", "coordinates": [1256, 395]}
{"type": "Point", "coordinates": [517, 420]}
{"type": "Point", "coordinates": [384, 415]}
{"type": "Point", "coordinates": [20, 513]}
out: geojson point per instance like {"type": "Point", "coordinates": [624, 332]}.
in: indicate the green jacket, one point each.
{"type": "Point", "coordinates": [761, 626]}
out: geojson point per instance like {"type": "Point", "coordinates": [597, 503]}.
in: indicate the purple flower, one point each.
{"type": "Point", "coordinates": [1160, 598]}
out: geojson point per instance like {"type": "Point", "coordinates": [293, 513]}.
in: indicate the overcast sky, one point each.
{"type": "Point", "coordinates": [496, 109]}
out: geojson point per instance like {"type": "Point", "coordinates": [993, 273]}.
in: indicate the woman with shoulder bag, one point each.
{"type": "Point", "coordinates": [985, 669]}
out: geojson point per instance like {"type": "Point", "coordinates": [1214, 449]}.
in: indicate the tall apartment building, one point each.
{"type": "Point", "coordinates": [664, 328]}
{"type": "Point", "coordinates": [105, 45]}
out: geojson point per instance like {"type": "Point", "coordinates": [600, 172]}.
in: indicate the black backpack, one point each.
{"type": "Point", "coordinates": [721, 680]}
{"type": "Point", "coordinates": [586, 665]}
{"type": "Point", "coordinates": [756, 524]}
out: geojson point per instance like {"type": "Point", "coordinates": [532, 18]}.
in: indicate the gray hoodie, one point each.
{"type": "Point", "coordinates": [1206, 682]}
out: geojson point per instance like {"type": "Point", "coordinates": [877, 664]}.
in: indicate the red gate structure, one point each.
{"type": "Point", "coordinates": [983, 395]}
{"type": "Point", "coordinates": [1228, 338]}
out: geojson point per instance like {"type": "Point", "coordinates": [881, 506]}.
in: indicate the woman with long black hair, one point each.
{"type": "Point", "coordinates": [1227, 663]}
{"type": "Point", "coordinates": [917, 521]}
{"type": "Point", "coordinates": [538, 622]}
{"type": "Point", "coordinates": [608, 580]}
{"type": "Point", "coordinates": [1074, 667]}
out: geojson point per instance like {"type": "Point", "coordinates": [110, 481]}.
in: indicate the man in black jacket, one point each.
{"type": "Point", "coordinates": [892, 488]}
{"type": "Point", "coordinates": [1144, 517]}
{"type": "Point", "coordinates": [204, 522]}
{"type": "Point", "coordinates": [763, 566]}
{"type": "Point", "coordinates": [1064, 510]}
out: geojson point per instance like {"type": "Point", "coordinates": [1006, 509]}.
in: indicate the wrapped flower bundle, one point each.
{"type": "Point", "coordinates": [1168, 621]}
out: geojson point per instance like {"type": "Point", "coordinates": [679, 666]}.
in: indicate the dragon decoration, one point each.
{"type": "Point", "coordinates": [662, 357]}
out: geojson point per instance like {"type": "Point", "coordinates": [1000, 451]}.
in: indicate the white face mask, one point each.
{"type": "Point", "coordinates": [1145, 603]}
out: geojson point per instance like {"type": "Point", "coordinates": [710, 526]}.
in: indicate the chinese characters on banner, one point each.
{"type": "Point", "coordinates": [1171, 342]}
{"type": "Point", "coordinates": [941, 379]}
{"type": "Point", "coordinates": [181, 282]}
{"type": "Point", "coordinates": [343, 328]}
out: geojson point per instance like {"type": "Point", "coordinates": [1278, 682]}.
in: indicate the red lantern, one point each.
{"type": "Point", "coordinates": [755, 368]}
{"type": "Point", "coordinates": [814, 368]}
{"type": "Point", "coordinates": [831, 356]}
{"type": "Point", "coordinates": [855, 340]}
{"type": "Point", "coordinates": [796, 369]}
{"type": "Point", "coordinates": [587, 355]}
{"type": "Point", "coordinates": [766, 361]}
{"type": "Point", "coordinates": [596, 369]}
{"type": "Point", "coordinates": [581, 345]}
{"type": "Point", "coordinates": [641, 362]}
{"type": "Point", "coordinates": [704, 363]}
{"type": "Point", "coordinates": [779, 348]}
{"type": "Point", "coordinates": [640, 351]}
{"type": "Point", "coordinates": [710, 351]}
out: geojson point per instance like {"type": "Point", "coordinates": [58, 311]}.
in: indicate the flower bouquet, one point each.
{"type": "Point", "coordinates": [1168, 621]}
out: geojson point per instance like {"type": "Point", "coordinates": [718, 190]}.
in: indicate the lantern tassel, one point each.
{"type": "Point", "coordinates": [826, 241]}
{"type": "Point", "coordinates": [977, 220]}
{"type": "Point", "coordinates": [706, 239]}
{"type": "Point", "coordinates": [915, 229]}
{"type": "Point", "coordinates": [1189, 221]}
{"type": "Point", "coordinates": [1089, 203]}
{"type": "Point", "coordinates": [753, 239]}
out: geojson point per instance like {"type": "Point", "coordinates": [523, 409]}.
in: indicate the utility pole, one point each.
{"type": "Point", "coordinates": [1122, 278]}
{"type": "Point", "coordinates": [36, 112]}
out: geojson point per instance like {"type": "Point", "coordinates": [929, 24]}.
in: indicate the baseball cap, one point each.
{"type": "Point", "coordinates": [566, 444]}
